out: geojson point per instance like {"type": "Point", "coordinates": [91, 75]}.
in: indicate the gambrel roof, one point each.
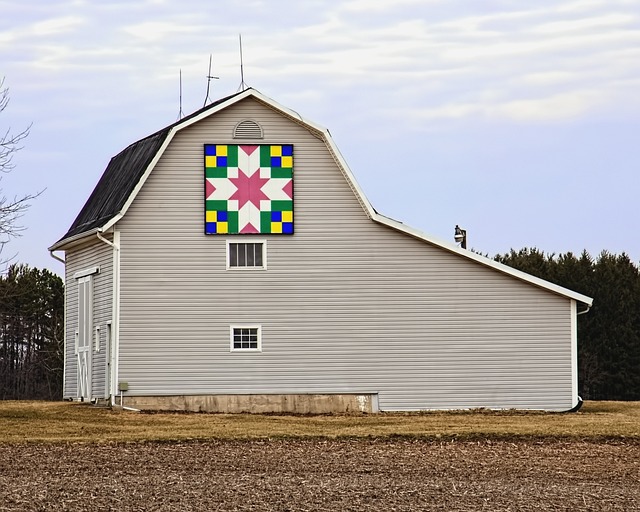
{"type": "Point", "coordinates": [127, 172]}
{"type": "Point", "coordinates": [120, 178]}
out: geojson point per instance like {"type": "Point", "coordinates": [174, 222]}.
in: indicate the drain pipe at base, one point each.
{"type": "Point", "coordinates": [115, 312]}
{"type": "Point", "coordinates": [116, 315]}
{"type": "Point", "coordinates": [577, 407]}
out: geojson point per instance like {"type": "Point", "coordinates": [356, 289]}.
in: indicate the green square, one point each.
{"type": "Point", "coordinates": [265, 156]}
{"type": "Point", "coordinates": [215, 205]}
{"type": "Point", "coordinates": [265, 222]}
{"type": "Point", "coordinates": [232, 220]}
{"type": "Point", "coordinates": [282, 172]}
{"type": "Point", "coordinates": [232, 155]}
{"type": "Point", "coordinates": [282, 206]}
{"type": "Point", "coordinates": [215, 172]}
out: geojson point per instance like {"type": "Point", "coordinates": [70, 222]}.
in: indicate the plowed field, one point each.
{"type": "Point", "coordinates": [312, 474]}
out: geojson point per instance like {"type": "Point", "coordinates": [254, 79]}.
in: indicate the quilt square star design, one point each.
{"type": "Point", "coordinates": [248, 188]}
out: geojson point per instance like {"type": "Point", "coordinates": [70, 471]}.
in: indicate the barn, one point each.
{"type": "Point", "coordinates": [230, 262]}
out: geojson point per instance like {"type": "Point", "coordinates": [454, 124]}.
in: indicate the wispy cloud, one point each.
{"type": "Point", "coordinates": [455, 65]}
{"type": "Point", "coordinates": [154, 31]}
{"type": "Point", "coordinates": [39, 30]}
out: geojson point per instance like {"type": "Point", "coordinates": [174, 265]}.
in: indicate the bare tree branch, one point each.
{"type": "Point", "coordinates": [11, 209]}
{"type": "Point", "coordinates": [9, 142]}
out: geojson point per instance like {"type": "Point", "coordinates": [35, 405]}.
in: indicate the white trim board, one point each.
{"type": "Point", "coordinates": [86, 272]}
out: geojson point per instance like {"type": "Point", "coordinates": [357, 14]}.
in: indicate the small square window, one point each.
{"type": "Point", "coordinates": [246, 255]}
{"type": "Point", "coordinates": [246, 338]}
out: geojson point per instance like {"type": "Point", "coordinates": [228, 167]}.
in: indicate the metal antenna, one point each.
{"type": "Point", "coordinates": [181, 113]}
{"type": "Point", "coordinates": [209, 78]}
{"type": "Point", "coordinates": [243, 86]}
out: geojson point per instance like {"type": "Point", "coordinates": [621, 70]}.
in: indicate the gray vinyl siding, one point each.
{"type": "Point", "coordinates": [346, 305]}
{"type": "Point", "coordinates": [93, 254]}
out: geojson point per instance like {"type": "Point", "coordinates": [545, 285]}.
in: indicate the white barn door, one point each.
{"type": "Point", "coordinates": [83, 336]}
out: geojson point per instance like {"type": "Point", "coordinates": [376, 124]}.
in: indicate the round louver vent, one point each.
{"type": "Point", "coordinates": [247, 130]}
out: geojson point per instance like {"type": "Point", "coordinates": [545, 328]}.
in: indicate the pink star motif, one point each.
{"type": "Point", "coordinates": [288, 188]}
{"type": "Point", "coordinates": [209, 189]}
{"type": "Point", "coordinates": [249, 189]}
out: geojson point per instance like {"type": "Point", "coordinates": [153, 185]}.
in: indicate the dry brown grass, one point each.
{"type": "Point", "coordinates": [60, 422]}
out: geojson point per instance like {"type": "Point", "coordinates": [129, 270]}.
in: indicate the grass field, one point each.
{"type": "Point", "coordinates": [74, 457]}
{"type": "Point", "coordinates": [60, 422]}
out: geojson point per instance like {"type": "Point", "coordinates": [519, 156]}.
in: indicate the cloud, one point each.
{"type": "Point", "coordinates": [154, 31]}
{"type": "Point", "coordinates": [552, 108]}
{"type": "Point", "coordinates": [368, 6]}
{"type": "Point", "coordinates": [40, 30]}
{"type": "Point", "coordinates": [549, 78]}
{"type": "Point", "coordinates": [518, 63]}
{"type": "Point", "coordinates": [588, 25]}
{"type": "Point", "coordinates": [54, 26]}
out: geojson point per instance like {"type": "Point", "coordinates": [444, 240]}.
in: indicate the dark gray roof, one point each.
{"type": "Point", "coordinates": [121, 177]}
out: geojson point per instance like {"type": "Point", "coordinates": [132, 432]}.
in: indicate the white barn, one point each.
{"type": "Point", "coordinates": [230, 262]}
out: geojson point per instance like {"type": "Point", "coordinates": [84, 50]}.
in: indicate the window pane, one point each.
{"type": "Point", "coordinates": [258, 255]}
{"type": "Point", "coordinates": [246, 255]}
{"type": "Point", "coordinates": [251, 261]}
{"type": "Point", "coordinates": [245, 338]}
{"type": "Point", "coordinates": [233, 255]}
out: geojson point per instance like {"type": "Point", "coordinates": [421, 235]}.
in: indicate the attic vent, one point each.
{"type": "Point", "coordinates": [247, 130]}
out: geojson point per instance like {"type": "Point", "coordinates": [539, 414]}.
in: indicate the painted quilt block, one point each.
{"type": "Point", "coordinates": [248, 188]}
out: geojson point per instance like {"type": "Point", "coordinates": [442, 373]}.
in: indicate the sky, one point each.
{"type": "Point", "coordinates": [519, 121]}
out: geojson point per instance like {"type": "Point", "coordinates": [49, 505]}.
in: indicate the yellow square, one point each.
{"type": "Point", "coordinates": [287, 161]}
{"type": "Point", "coordinates": [276, 227]}
{"type": "Point", "coordinates": [210, 161]}
{"type": "Point", "coordinates": [212, 216]}
{"type": "Point", "coordinates": [287, 216]}
{"type": "Point", "coordinates": [222, 227]}
{"type": "Point", "coordinates": [276, 150]}
{"type": "Point", "coordinates": [221, 150]}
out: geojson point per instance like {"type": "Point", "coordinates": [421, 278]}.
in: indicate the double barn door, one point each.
{"type": "Point", "coordinates": [84, 336]}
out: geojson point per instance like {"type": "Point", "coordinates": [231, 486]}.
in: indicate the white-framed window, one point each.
{"type": "Point", "coordinates": [247, 254]}
{"type": "Point", "coordinates": [96, 338]}
{"type": "Point", "coordinates": [246, 338]}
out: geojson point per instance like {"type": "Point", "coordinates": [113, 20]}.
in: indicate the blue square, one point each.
{"type": "Point", "coordinates": [276, 216]}
{"type": "Point", "coordinates": [222, 216]}
{"type": "Point", "coordinates": [287, 227]}
{"type": "Point", "coordinates": [287, 150]}
{"type": "Point", "coordinates": [276, 161]}
{"type": "Point", "coordinates": [209, 228]}
{"type": "Point", "coordinates": [210, 150]}
{"type": "Point", "coordinates": [221, 161]}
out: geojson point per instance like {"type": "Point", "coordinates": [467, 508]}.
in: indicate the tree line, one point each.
{"type": "Point", "coordinates": [31, 334]}
{"type": "Point", "coordinates": [609, 334]}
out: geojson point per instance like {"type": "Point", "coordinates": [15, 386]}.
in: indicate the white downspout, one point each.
{"type": "Point", "coordinates": [57, 258]}
{"type": "Point", "coordinates": [574, 352]}
{"type": "Point", "coordinates": [64, 315]}
{"type": "Point", "coordinates": [115, 313]}
{"type": "Point", "coordinates": [585, 311]}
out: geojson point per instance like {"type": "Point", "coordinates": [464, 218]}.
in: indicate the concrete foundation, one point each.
{"type": "Point", "coordinates": [297, 404]}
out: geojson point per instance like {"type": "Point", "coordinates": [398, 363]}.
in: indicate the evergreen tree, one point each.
{"type": "Point", "coordinates": [609, 334]}
{"type": "Point", "coordinates": [31, 334]}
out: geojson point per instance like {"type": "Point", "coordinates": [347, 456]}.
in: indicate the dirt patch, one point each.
{"type": "Point", "coordinates": [306, 475]}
